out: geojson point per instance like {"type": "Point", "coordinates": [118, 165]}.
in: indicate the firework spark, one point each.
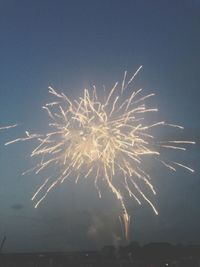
{"type": "Point", "coordinates": [102, 140]}
{"type": "Point", "coordinates": [7, 127]}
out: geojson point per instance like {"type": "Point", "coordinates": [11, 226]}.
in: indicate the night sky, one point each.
{"type": "Point", "coordinates": [74, 44]}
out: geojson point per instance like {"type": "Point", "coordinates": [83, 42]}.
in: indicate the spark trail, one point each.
{"type": "Point", "coordinates": [105, 140]}
{"type": "Point", "coordinates": [8, 127]}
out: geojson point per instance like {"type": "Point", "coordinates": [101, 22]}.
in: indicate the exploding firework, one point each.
{"type": "Point", "coordinates": [105, 140]}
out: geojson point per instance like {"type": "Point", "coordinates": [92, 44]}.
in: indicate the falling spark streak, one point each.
{"type": "Point", "coordinates": [39, 189]}
{"type": "Point", "coordinates": [29, 136]}
{"type": "Point", "coordinates": [178, 142]}
{"type": "Point", "coordinates": [103, 139]}
{"type": "Point", "coordinates": [8, 127]}
{"type": "Point", "coordinates": [173, 147]}
{"type": "Point", "coordinates": [183, 166]}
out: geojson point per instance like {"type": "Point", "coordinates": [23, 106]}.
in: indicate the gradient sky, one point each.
{"type": "Point", "coordinates": [71, 45]}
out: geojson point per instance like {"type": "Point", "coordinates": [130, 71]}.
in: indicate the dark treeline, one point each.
{"type": "Point", "coordinates": [153, 251]}
{"type": "Point", "coordinates": [134, 254]}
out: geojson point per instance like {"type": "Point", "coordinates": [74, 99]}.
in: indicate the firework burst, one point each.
{"type": "Point", "coordinates": [101, 140]}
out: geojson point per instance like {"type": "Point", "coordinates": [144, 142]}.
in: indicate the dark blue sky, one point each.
{"type": "Point", "coordinates": [74, 44]}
